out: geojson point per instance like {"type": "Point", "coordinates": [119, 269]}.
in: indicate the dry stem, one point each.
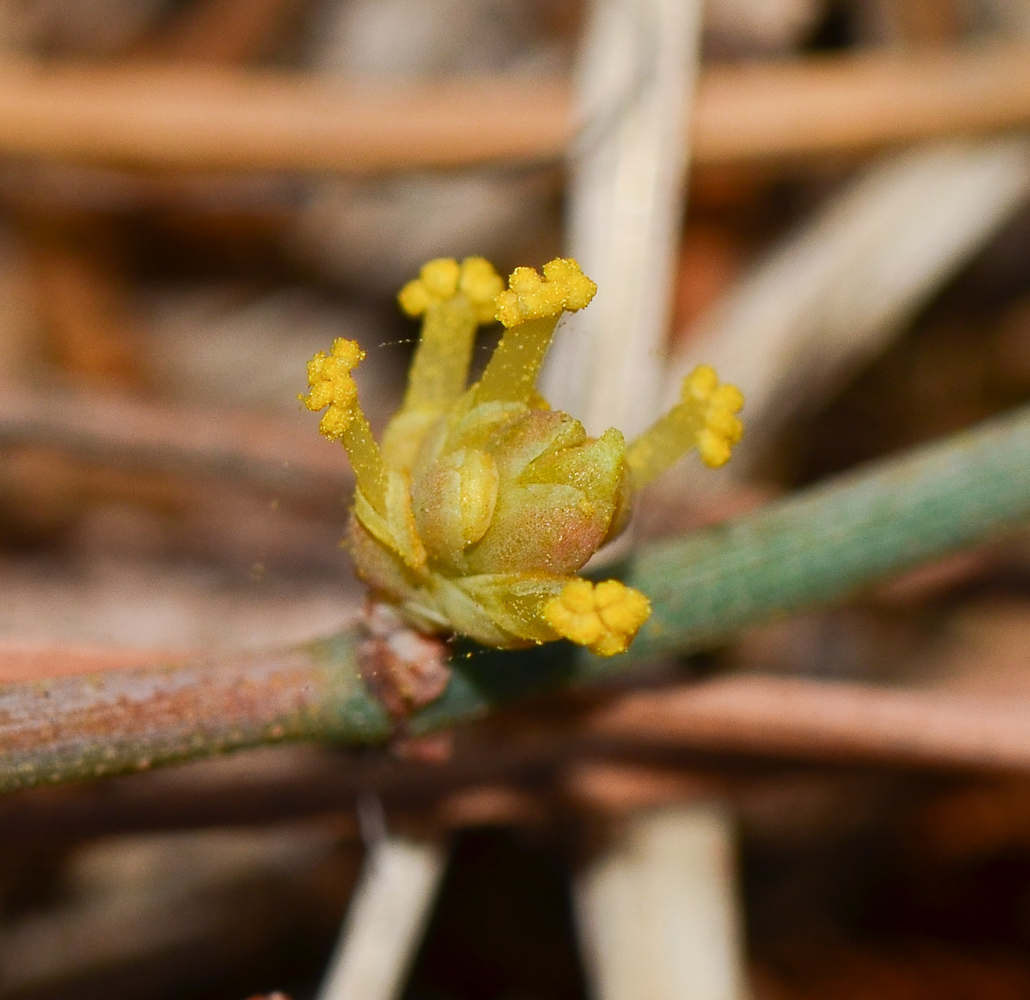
{"type": "Point", "coordinates": [226, 119]}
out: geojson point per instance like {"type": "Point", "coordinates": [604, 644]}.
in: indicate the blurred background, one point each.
{"type": "Point", "coordinates": [196, 195]}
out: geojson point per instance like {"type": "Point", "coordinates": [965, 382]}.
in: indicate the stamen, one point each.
{"type": "Point", "coordinates": [530, 310]}
{"type": "Point", "coordinates": [704, 419]}
{"type": "Point", "coordinates": [332, 385]}
{"type": "Point", "coordinates": [453, 300]}
{"type": "Point", "coordinates": [604, 617]}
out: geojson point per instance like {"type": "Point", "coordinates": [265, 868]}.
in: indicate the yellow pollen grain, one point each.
{"type": "Point", "coordinates": [563, 287]}
{"type": "Point", "coordinates": [604, 618]}
{"type": "Point", "coordinates": [443, 278]}
{"type": "Point", "coordinates": [700, 384]}
{"type": "Point", "coordinates": [480, 284]}
{"type": "Point", "coordinates": [331, 385]}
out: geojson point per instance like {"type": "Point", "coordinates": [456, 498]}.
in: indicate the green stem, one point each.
{"type": "Point", "coordinates": [835, 538]}
{"type": "Point", "coordinates": [809, 549]}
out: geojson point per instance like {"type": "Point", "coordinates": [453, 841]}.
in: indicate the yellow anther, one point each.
{"type": "Point", "coordinates": [414, 298]}
{"type": "Point", "coordinates": [332, 385]}
{"type": "Point", "coordinates": [438, 280]}
{"type": "Point", "coordinates": [700, 384]}
{"type": "Point", "coordinates": [442, 278]}
{"type": "Point", "coordinates": [603, 617]}
{"type": "Point", "coordinates": [563, 287]}
{"type": "Point", "coordinates": [720, 429]}
{"type": "Point", "coordinates": [578, 290]}
{"type": "Point", "coordinates": [713, 449]}
{"type": "Point", "coordinates": [728, 397]}
{"type": "Point", "coordinates": [480, 284]}
{"type": "Point", "coordinates": [704, 419]}
{"type": "Point", "coordinates": [724, 424]}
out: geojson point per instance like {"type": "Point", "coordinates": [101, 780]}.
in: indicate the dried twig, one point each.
{"type": "Point", "coordinates": [259, 450]}
{"type": "Point", "coordinates": [639, 67]}
{"type": "Point", "coordinates": [657, 908]}
{"type": "Point", "coordinates": [220, 31]}
{"type": "Point", "coordinates": [833, 294]}
{"type": "Point", "coordinates": [387, 916]}
{"type": "Point", "coordinates": [794, 718]}
{"type": "Point", "coordinates": [161, 117]}
{"type": "Point", "coordinates": [626, 167]}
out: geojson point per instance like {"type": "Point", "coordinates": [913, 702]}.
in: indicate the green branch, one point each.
{"type": "Point", "coordinates": [812, 548]}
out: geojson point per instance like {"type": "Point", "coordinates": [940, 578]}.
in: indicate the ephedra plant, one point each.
{"type": "Point", "coordinates": [474, 518]}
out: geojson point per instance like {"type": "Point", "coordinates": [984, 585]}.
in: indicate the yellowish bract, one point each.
{"type": "Point", "coordinates": [482, 503]}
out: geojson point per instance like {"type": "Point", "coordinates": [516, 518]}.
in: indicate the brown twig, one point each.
{"type": "Point", "coordinates": [83, 297]}
{"type": "Point", "coordinates": [225, 119]}
{"type": "Point", "coordinates": [259, 450]}
{"type": "Point", "coordinates": [859, 102]}
{"type": "Point", "coordinates": [221, 31]}
{"type": "Point", "coordinates": [32, 661]}
{"type": "Point", "coordinates": [819, 720]}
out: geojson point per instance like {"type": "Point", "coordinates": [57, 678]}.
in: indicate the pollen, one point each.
{"type": "Point", "coordinates": [332, 385]}
{"type": "Point", "coordinates": [481, 285]}
{"type": "Point", "coordinates": [604, 617]}
{"type": "Point", "coordinates": [563, 287]}
{"type": "Point", "coordinates": [443, 278]}
{"type": "Point", "coordinates": [721, 429]}
{"type": "Point", "coordinates": [704, 418]}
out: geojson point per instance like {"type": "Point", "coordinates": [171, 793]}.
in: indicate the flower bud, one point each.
{"type": "Point", "coordinates": [454, 501]}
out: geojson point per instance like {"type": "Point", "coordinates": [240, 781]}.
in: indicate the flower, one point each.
{"type": "Point", "coordinates": [482, 503]}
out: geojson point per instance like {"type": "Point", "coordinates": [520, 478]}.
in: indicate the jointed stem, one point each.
{"type": "Point", "coordinates": [807, 550]}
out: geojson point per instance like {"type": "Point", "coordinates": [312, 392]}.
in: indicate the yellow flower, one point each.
{"type": "Point", "coordinates": [483, 503]}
